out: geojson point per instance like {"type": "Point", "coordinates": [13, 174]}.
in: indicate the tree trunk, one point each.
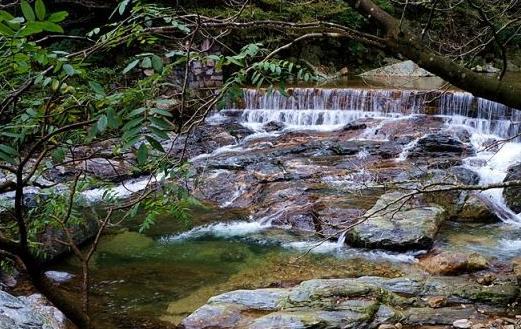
{"type": "Point", "coordinates": [402, 42]}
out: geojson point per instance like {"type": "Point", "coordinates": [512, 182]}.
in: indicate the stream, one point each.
{"type": "Point", "coordinates": [283, 174]}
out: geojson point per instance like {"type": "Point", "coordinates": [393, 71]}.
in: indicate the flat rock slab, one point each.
{"type": "Point", "coordinates": [364, 302]}
{"type": "Point", "coordinates": [394, 226]}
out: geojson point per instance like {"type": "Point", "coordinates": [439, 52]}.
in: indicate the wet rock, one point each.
{"type": "Point", "coordinates": [29, 312]}
{"type": "Point", "coordinates": [109, 169]}
{"type": "Point", "coordinates": [59, 277]}
{"type": "Point", "coordinates": [354, 126]}
{"type": "Point", "coordinates": [450, 263]}
{"type": "Point", "coordinates": [465, 176]}
{"type": "Point", "coordinates": [396, 224]}
{"type": "Point", "coordinates": [439, 145]}
{"type": "Point", "coordinates": [365, 302]}
{"type": "Point", "coordinates": [273, 126]}
{"type": "Point", "coordinates": [513, 194]}
{"type": "Point", "coordinates": [476, 209]}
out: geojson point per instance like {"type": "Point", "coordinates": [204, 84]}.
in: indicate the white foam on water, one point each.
{"type": "Point", "coordinates": [220, 230]}
{"type": "Point", "coordinates": [492, 168]}
{"type": "Point", "coordinates": [510, 246]}
{"type": "Point", "coordinates": [339, 249]}
{"type": "Point", "coordinates": [406, 149]}
{"type": "Point", "coordinates": [121, 191]}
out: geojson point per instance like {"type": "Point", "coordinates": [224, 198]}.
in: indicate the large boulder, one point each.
{"type": "Point", "coordinates": [29, 312]}
{"type": "Point", "coordinates": [395, 223]}
{"type": "Point", "coordinates": [363, 303]}
{"type": "Point", "coordinates": [513, 194]}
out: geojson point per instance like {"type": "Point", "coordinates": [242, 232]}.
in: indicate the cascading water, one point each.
{"type": "Point", "coordinates": [331, 109]}
{"type": "Point", "coordinates": [328, 109]}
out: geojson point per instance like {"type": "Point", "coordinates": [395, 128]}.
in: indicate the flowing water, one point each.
{"type": "Point", "coordinates": [156, 279]}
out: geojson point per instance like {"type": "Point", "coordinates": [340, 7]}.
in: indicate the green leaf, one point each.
{"type": "Point", "coordinates": [142, 154]}
{"type": "Point", "coordinates": [157, 63]}
{"type": "Point", "coordinates": [31, 28]}
{"type": "Point", "coordinates": [39, 7]}
{"type": "Point", "coordinates": [5, 16]}
{"type": "Point", "coordinates": [69, 70]}
{"type": "Point", "coordinates": [5, 30]}
{"type": "Point", "coordinates": [146, 63]}
{"type": "Point", "coordinates": [7, 158]}
{"type": "Point", "coordinates": [155, 144]}
{"type": "Point", "coordinates": [97, 88]}
{"type": "Point", "coordinates": [51, 27]}
{"type": "Point", "coordinates": [160, 123]}
{"type": "Point", "coordinates": [161, 134]}
{"type": "Point", "coordinates": [132, 123]}
{"type": "Point", "coordinates": [102, 123]}
{"type": "Point", "coordinates": [8, 150]}
{"type": "Point", "coordinates": [123, 6]}
{"type": "Point", "coordinates": [27, 11]}
{"type": "Point", "coordinates": [58, 16]}
{"type": "Point", "coordinates": [130, 66]}
{"type": "Point", "coordinates": [58, 155]}
{"type": "Point", "coordinates": [161, 112]}
{"type": "Point", "coordinates": [136, 112]}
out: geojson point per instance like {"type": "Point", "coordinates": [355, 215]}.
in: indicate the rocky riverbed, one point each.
{"type": "Point", "coordinates": [285, 182]}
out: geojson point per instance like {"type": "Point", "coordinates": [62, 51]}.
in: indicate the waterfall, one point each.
{"type": "Point", "coordinates": [332, 108]}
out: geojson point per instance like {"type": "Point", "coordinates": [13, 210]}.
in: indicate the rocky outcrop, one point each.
{"type": "Point", "coordinates": [365, 302]}
{"type": "Point", "coordinates": [513, 194]}
{"type": "Point", "coordinates": [29, 312]}
{"type": "Point", "coordinates": [397, 223]}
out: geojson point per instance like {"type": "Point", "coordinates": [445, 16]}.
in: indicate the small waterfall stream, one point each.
{"type": "Point", "coordinates": [331, 109]}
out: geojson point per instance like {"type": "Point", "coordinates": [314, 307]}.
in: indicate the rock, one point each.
{"type": "Point", "coordinates": [29, 312]}
{"type": "Point", "coordinates": [59, 277]}
{"type": "Point", "coordinates": [354, 126]}
{"type": "Point", "coordinates": [273, 126]}
{"type": "Point", "coordinates": [386, 326]}
{"type": "Point", "coordinates": [436, 301]}
{"type": "Point", "coordinates": [439, 145]}
{"type": "Point", "coordinates": [513, 194]}
{"type": "Point", "coordinates": [449, 263]}
{"type": "Point", "coordinates": [362, 303]}
{"type": "Point", "coordinates": [462, 324]}
{"type": "Point", "coordinates": [402, 69]}
{"type": "Point", "coordinates": [487, 279]}
{"type": "Point", "coordinates": [465, 175]}
{"type": "Point", "coordinates": [108, 169]}
{"type": "Point", "coordinates": [476, 209]}
{"type": "Point", "coordinates": [412, 226]}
